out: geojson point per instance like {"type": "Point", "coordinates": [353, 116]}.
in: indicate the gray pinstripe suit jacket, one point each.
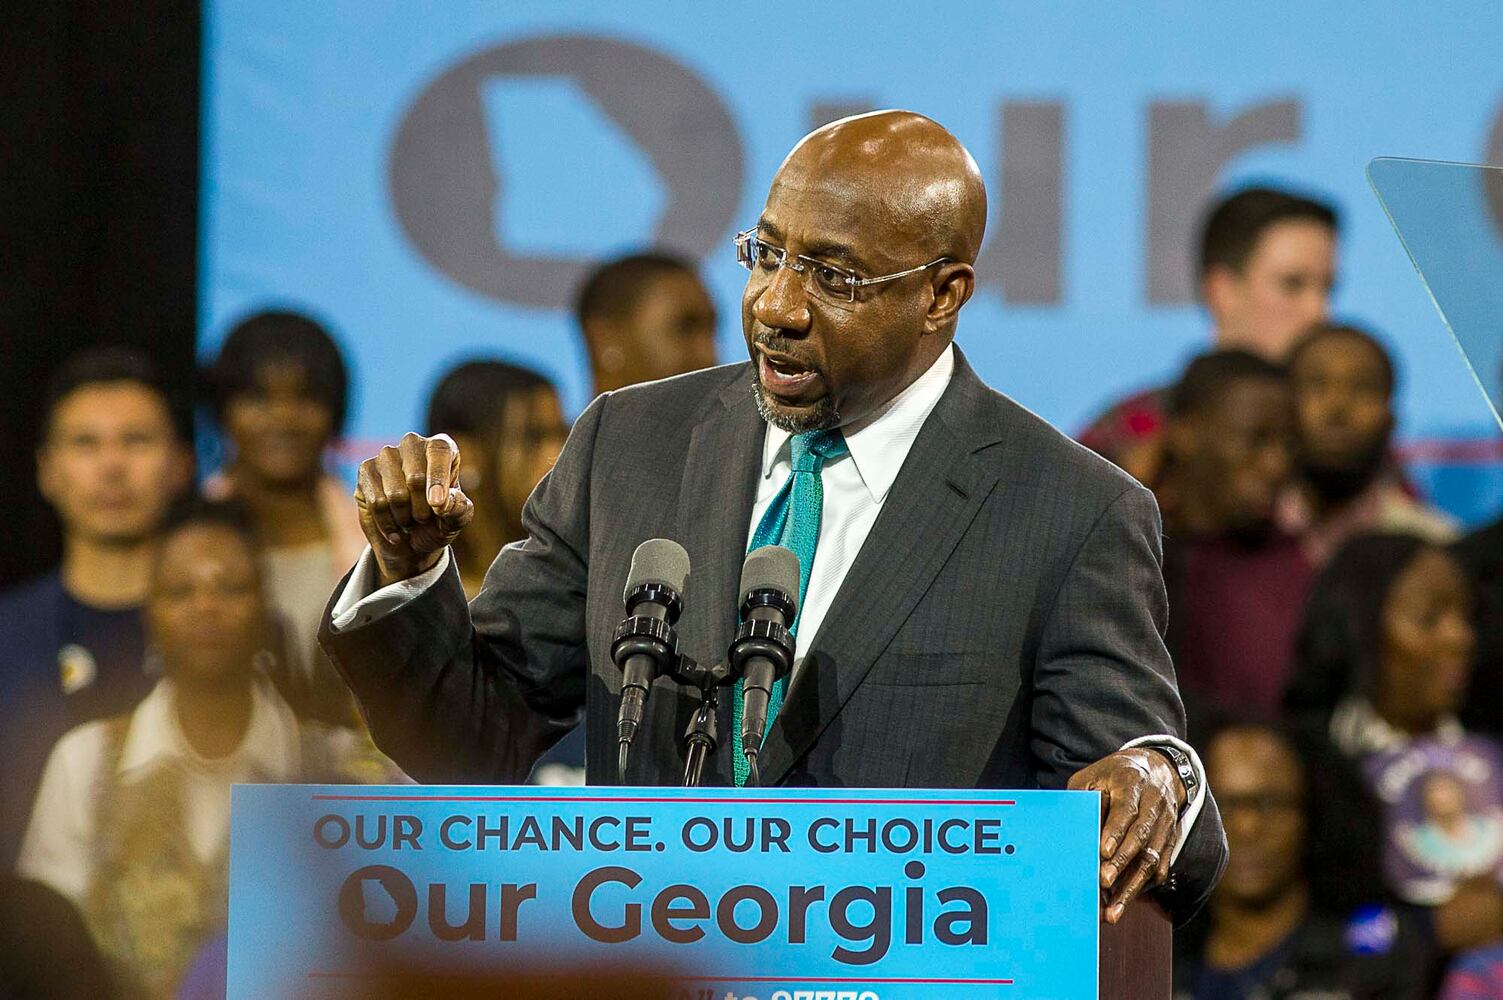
{"type": "Point", "coordinates": [1002, 626]}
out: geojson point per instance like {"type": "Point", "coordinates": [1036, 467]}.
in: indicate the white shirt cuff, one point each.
{"type": "Point", "coordinates": [361, 602]}
{"type": "Point", "coordinates": [1197, 799]}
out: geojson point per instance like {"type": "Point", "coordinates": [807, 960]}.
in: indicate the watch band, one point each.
{"type": "Point", "coordinates": [1182, 765]}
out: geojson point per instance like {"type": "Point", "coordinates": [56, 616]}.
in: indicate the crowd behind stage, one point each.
{"type": "Point", "coordinates": [1339, 645]}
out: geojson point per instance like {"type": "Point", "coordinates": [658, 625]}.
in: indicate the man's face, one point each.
{"type": "Point", "coordinates": [822, 362]}
{"type": "Point", "coordinates": [671, 329]}
{"type": "Point", "coordinates": [111, 463]}
{"type": "Point", "coordinates": [1260, 790]}
{"type": "Point", "coordinates": [1237, 454]}
{"type": "Point", "coordinates": [1283, 288]}
{"type": "Point", "coordinates": [1341, 397]}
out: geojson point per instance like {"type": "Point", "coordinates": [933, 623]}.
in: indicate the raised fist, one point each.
{"type": "Point", "coordinates": [411, 506]}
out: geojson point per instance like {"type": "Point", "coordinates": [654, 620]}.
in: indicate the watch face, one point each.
{"type": "Point", "coordinates": [1183, 766]}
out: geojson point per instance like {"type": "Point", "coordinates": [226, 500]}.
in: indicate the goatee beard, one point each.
{"type": "Point", "coordinates": [1336, 485]}
{"type": "Point", "coordinates": [822, 417]}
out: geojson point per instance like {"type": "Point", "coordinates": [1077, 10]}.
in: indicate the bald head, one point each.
{"type": "Point", "coordinates": [917, 178]}
{"type": "Point", "coordinates": [892, 200]}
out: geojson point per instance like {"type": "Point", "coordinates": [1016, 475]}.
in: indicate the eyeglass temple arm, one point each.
{"type": "Point", "coordinates": [900, 274]}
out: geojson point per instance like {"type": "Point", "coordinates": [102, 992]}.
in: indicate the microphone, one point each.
{"type": "Point", "coordinates": [762, 652]}
{"type": "Point", "coordinates": [645, 645]}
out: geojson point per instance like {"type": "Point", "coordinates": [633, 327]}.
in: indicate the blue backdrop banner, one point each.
{"type": "Point", "coordinates": [433, 180]}
{"type": "Point", "coordinates": [861, 894]}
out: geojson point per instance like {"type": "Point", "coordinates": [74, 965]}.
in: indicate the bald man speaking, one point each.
{"type": "Point", "coordinates": [982, 602]}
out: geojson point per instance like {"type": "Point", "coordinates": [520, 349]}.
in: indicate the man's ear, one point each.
{"type": "Point", "coordinates": [1218, 287]}
{"type": "Point", "coordinates": [953, 285]}
{"type": "Point", "coordinates": [603, 338]}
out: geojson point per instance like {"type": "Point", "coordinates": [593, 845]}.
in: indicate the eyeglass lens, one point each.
{"type": "Point", "coordinates": [827, 280]}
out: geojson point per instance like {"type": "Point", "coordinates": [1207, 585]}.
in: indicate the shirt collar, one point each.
{"type": "Point", "coordinates": [880, 441]}
{"type": "Point", "coordinates": [1357, 730]}
{"type": "Point", "coordinates": [270, 749]}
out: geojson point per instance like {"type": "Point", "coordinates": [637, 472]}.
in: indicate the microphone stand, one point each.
{"type": "Point", "coordinates": [700, 738]}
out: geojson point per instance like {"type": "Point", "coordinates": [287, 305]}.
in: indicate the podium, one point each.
{"type": "Point", "coordinates": [683, 894]}
{"type": "Point", "coordinates": [1137, 954]}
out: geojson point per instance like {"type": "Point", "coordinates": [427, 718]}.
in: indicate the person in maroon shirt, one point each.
{"type": "Point", "coordinates": [1236, 583]}
{"type": "Point", "coordinates": [1264, 273]}
{"type": "Point", "coordinates": [1350, 480]}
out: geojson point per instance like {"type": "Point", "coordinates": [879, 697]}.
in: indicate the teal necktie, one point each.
{"type": "Point", "coordinates": [792, 520]}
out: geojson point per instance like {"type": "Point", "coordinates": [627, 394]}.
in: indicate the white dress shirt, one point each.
{"type": "Point", "coordinates": [855, 488]}
{"type": "Point", "coordinates": [60, 843]}
{"type": "Point", "coordinates": [855, 485]}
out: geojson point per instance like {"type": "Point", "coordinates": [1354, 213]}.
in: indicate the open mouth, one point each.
{"type": "Point", "coordinates": [784, 376]}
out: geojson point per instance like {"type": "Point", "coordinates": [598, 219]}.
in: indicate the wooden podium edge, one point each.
{"type": "Point", "coordinates": [1137, 954]}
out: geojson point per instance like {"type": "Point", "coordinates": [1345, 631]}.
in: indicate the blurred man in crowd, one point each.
{"type": "Point", "coordinates": [1269, 930]}
{"type": "Point", "coordinates": [111, 461]}
{"type": "Point", "coordinates": [1343, 382]}
{"type": "Point", "coordinates": [1236, 583]}
{"type": "Point", "coordinates": [280, 388]}
{"type": "Point", "coordinates": [645, 317]}
{"type": "Point", "coordinates": [1266, 268]}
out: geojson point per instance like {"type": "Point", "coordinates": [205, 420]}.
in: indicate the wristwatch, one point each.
{"type": "Point", "coordinates": [1181, 762]}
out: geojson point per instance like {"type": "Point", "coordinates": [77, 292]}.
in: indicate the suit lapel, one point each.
{"type": "Point", "coordinates": [936, 496]}
{"type": "Point", "coordinates": [716, 496]}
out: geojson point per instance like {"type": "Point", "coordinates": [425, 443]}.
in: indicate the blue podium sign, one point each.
{"type": "Point", "coordinates": [759, 895]}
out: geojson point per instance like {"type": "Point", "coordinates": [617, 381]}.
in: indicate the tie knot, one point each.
{"type": "Point", "coordinates": [810, 450]}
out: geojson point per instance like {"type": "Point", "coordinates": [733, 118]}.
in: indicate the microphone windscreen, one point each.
{"type": "Point", "coordinates": [658, 560]}
{"type": "Point", "coordinates": [771, 567]}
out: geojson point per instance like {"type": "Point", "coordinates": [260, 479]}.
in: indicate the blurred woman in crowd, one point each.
{"type": "Point", "coordinates": [1296, 913]}
{"type": "Point", "coordinates": [509, 427]}
{"type": "Point", "coordinates": [131, 821]}
{"type": "Point", "coordinates": [1384, 656]}
{"type": "Point", "coordinates": [279, 389]}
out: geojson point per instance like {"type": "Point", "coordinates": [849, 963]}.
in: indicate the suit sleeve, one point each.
{"type": "Point", "coordinates": [1103, 675]}
{"type": "Point", "coordinates": [475, 693]}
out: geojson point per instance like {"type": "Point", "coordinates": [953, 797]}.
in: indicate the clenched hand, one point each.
{"type": "Point", "coordinates": [411, 506]}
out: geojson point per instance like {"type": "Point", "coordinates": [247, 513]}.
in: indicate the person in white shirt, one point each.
{"type": "Point", "coordinates": [131, 820]}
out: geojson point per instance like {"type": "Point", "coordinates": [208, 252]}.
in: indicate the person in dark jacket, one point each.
{"type": "Point", "coordinates": [111, 461]}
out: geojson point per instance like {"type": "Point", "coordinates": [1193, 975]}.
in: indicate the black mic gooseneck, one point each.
{"type": "Point", "coordinates": [762, 652]}
{"type": "Point", "coordinates": [645, 646]}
